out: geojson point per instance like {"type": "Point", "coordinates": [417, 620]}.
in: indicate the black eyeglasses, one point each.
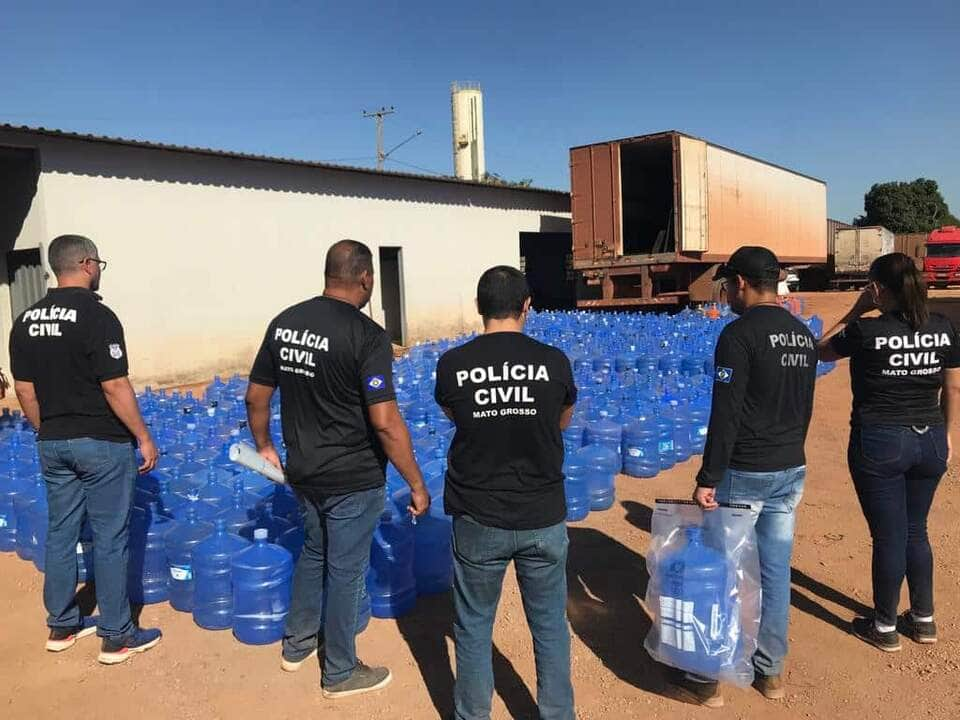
{"type": "Point", "coordinates": [98, 261]}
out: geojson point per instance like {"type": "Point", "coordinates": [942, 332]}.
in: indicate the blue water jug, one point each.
{"type": "Point", "coordinates": [179, 543]}
{"type": "Point", "coordinates": [148, 574]}
{"type": "Point", "coordinates": [261, 591]}
{"type": "Point", "coordinates": [602, 463]}
{"type": "Point", "coordinates": [670, 364]}
{"type": "Point", "coordinates": [641, 448]}
{"type": "Point", "coordinates": [85, 554]}
{"type": "Point", "coordinates": [433, 551]}
{"type": "Point", "coordinates": [293, 540]}
{"type": "Point", "coordinates": [603, 432]}
{"type": "Point", "coordinates": [576, 487]}
{"type": "Point", "coordinates": [266, 517]}
{"type": "Point", "coordinates": [681, 432]}
{"type": "Point", "coordinates": [39, 515]}
{"type": "Point", "coordinates": [573, 435]}
{"type": "Point", "coordinates": [390, 581]}
{"type": "Point", "coordinates": [203, 510]}
{"type": "Point", "coordinates": [699, 421]}
{"type": "Point", "coordinates": [168, 501]}
{"type": "Point", "coordinates": [26, 540]}
{"type": "Point", "coordinates": [11, 486]}
{"type": "Point", "coordinates": [213, 590]}
{"type": "Point", "coordinates": [668, 456]}
{"type": "Point", "coordinates": [694, 605]}
{"type": "Point", "coordinates": [239, 518]}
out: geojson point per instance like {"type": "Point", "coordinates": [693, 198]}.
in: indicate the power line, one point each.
{"type": "Point", "coordinates": [417, 167]}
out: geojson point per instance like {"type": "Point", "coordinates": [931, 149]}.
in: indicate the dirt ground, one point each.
{"type": "Point", "coordinates": [200, 674]}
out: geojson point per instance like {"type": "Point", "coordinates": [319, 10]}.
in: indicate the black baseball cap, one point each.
{"type": "Point", "coordinates": [750, 261]}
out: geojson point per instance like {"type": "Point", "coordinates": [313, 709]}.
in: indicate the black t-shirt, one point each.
{"type": "Point", "coordinates": [66, 345]}
{"type": "Point", "coordinates": [506, 392]}
{"type": "Point", "coordinates": [897, 372]}
{"type": "Point", "coordinates": [331, 362]}
{"type": "Point", "coordinates": [765, 371]}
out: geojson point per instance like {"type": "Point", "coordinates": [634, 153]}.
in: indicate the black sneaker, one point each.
{"type": "Point", "coordinates": [61, 639]}
{"type": "Point", "coordinates": [866, 630]}
{"type": "Point", "coordinates": [118, 650]}
{"type": "Point", "coordinates": [363, 680]}
{"type": "Point", "coordinates": [686, 689]}
{"type": "Point", "coordinates": [924, 633]}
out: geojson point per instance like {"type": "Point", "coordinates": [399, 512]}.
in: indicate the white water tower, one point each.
{"type": "Point", "coordinates": [466, 100]}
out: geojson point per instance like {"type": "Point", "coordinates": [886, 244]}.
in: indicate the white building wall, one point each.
{"type": "Point", "coordinates": [204, 251]}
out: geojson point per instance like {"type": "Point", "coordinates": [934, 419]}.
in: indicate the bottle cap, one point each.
{"type": "Point", "coordinates": [260, 534]}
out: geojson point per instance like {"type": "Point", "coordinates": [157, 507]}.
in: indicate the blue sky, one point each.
{"type": "Point", "coordinates": [849, 91]}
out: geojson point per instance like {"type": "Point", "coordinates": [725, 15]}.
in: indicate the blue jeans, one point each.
{"type": "Point", "coordinates": [331, 572]}
{"type": "Point", "coordinates": [481, 555]}
{"type": "Point", "coordinates": [896, 471]}
{"type": "Point", "coordinates": [774, 497]}
{"type": "Point", "coordinates": [93, 478]}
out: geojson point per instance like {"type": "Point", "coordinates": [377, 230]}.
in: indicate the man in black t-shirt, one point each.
{"type": "Point", "coordinates": [765, 371]}
{"type": "Point", "coordinates": [341, 423]}
{"type": "Point", "coordinates": [509, 396]}
{"type": "Point", "coordinates": [69, 363]}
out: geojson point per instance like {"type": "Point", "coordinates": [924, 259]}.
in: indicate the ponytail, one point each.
{"type": "Point", "coordinates": [898, 273]}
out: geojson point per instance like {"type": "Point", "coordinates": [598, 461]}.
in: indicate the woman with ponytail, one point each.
{"type": "Point", "coordinates": [905, 373]}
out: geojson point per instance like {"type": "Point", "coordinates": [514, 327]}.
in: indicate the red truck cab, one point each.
{"type": "Point", "coordinates": [941, 265]}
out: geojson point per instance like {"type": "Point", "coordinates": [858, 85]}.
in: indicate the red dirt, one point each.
{"type": "Point", "coordinates": [201, 674]}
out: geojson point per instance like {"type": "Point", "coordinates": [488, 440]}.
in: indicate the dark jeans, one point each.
{"type": "Point", "coordinates": [481, 555]}
{"type": "Point", "coordinates": [336, 548]}
{"type": "Point", "coordinates": [896, 471]}
{"type": "Point", "coordinates": [96, 478]}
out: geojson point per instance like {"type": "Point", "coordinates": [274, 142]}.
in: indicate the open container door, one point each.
{"type": "Point", "coordinates": [693, 195]}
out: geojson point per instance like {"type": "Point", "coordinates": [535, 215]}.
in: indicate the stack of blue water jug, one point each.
{"type": "Point", "coordinates": [220, 542]}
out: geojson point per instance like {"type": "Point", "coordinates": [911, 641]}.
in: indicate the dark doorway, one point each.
{"type": "Point", "coordinates": [546, 260]}
{"type": "Point", "coordinates": [391, 293]}
{"type": "Point", "coordinates": [647, 188]}
{"type": "Point", "coordinates": [28, 281]}
{"type": "Point", "coordinates": [19, 174]}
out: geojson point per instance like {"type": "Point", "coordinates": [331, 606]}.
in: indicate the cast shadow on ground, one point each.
{"type": "Point", "coordinates": [606, 583]}
{"type": "Point", "coordinates": [638, 514]}
{"type": "Point", "coordinates": [806, 604]}
{"type": "Point", "coordinates": [426, 630]}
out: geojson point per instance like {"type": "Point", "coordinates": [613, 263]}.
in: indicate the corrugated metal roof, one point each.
{"type": "Point", "coordinates": [641, 138]}
{"type": "Point", "coordinates": [268, 158]}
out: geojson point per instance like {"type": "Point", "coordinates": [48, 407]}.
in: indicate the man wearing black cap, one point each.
{"type": "Point", "coordinates": [765, 370]}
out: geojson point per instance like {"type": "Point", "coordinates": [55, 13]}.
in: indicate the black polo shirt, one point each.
{"type": "Point", "coordinates": [331, 362]}
{"type": "Point", "coordinates": [66, 345]}
{"type": "Point", "coordinates": [896, 372]}
{"type": "Point", "coordinates": [506, 392]}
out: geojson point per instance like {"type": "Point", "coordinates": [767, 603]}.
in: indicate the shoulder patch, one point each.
{"type": "Point", "coordinates": [375, 382]}
{"type": "Point", "coordinates": [723, 374]}
{"type": "Point", "coordinates": [116, 352]}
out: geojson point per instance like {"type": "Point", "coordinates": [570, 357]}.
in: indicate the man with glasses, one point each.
{"type": "Point", "coordinates": [69, 363]}
{"type": "Point", "coordinates": [765, 370]}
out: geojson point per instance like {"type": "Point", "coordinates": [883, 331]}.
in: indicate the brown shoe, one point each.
{"type": "Point", "coordinates": [770, 686]}
{"type": "Point", "coordinates": [686, 689]}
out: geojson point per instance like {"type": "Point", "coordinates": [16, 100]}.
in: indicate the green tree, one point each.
{"type": "Point", "coordinates": [906, 207]}
{"type": "Point", "coordinates": [495, 179]}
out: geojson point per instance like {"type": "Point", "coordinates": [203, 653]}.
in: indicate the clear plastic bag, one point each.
{"type": "Point", "coordinates": [704, 590]}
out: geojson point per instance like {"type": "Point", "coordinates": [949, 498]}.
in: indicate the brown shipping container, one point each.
{"type": "Point", "coordinates": [670, 197]}
{"type": "Point", "coordinates": [912, 245]}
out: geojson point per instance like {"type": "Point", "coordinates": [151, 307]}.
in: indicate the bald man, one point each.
{"type": "Point", "coordinates": [333, 366]}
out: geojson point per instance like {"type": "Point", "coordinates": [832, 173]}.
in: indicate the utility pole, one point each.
{"type": "Point", "coordinates": [379, 115]}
